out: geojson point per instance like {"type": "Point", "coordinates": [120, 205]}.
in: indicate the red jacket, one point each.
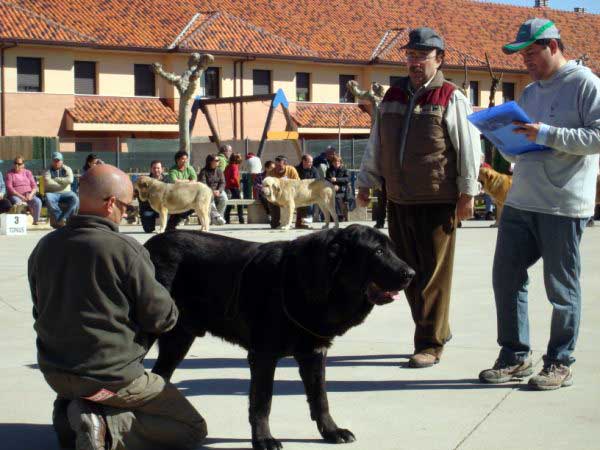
{"type": "Point", "coordinates": [232, 176]}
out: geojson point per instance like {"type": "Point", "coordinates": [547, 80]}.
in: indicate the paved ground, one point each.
{"type": "Point", "coordinates": [371, 392]}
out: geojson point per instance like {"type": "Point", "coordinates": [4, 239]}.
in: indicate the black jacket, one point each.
{"type": "Point", "coordinates": [96, 303]}
{"type": "Point", "coordinates": [342, 179]}
{"type": "Point", "coordinates": [306, 174]}
{"type": "Point", "coordinates": [214, 179]}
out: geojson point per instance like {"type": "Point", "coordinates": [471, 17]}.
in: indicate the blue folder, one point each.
{"type": "Point", "coordinates": [496, 124]}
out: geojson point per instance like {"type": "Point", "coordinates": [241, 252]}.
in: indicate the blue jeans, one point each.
{"type": "Point", "coordinates": [523, 238]}
{"type": "Point", "coordinates": [69, 201]}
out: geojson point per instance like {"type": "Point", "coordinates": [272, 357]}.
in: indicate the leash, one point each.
{"type": "Point", "coordinates": [287, 312]}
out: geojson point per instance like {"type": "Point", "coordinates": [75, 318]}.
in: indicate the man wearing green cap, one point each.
{"type": "Point", "coordinates": [61, 201]}
{"type": "Point", "coordinates": [548, 206]}
{"type": "Point", "coordinates": [427, 153]}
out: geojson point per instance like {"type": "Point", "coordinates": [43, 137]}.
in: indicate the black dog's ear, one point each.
{"type": "Point", "coordinates": [312, 265]}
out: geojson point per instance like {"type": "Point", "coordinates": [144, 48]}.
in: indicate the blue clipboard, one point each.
{"type": "Point", "coordinates": [496, 124]}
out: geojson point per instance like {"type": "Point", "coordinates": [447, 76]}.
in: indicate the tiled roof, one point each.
{"type": "Point", "coordinates": [129, 110]}
{"type": "Point", "coordinates": [331, 115]}
{"type": "Point", "coordinates": [340, 30]}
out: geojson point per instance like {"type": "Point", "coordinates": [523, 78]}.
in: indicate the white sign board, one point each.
{"type": "Point", "coordinates": [13, 224]}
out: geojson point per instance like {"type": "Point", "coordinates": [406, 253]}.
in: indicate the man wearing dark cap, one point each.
{"type": "Point", "coordinates": [427, 154]}
{"type": "Point", "coordinates": [547, 208]}
{"type": "Point", "coordinates": [61, 201]}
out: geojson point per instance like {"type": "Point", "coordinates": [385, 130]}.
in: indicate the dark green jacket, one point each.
{"type": "Point", "coordinates": [96, 302]}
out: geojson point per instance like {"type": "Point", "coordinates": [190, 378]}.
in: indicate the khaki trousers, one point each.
{"type": "Point", "coordinates": [424, 236]}
{"type": "Point", "coordinates": [146, 414]}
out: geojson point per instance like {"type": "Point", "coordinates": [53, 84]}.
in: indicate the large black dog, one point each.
{"type": "Point", "coordinates": [283, 298]}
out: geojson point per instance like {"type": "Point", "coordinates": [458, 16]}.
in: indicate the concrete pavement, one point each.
{"type": "Point", "coordinates": [371, 392]}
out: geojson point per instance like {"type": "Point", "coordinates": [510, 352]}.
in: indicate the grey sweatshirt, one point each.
{"type": "Point", "coordinates": [561, 181]}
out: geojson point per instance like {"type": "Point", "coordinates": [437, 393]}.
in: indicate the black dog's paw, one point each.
{"type": "Point", "coordinates": [266, 444]}
{"type": "Point", "coordinates": [338, 436]}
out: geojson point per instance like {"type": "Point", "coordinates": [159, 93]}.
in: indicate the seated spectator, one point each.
{"type": "Point", "coordinates": [5, 203]}
{"type": "Point", "coordinates": [22, 188]}
{"type": "Point", "coordinates": [233, 186]}
{"type": "Point", "coordinates": [306, 171]}
{"type": "Point", "coordinates": [181, 172]}
{"type": "Point", "coordinates": [338, 175]}
{"type": "Point", "coordinates": [213, 177]}
{"type": "Point", "coordinates": [257, 187]}
{"type": "Point", "coordinates": [91, 160]}
{"type": "Point", "coordinates": [60, 200]}
{"type": "Point", "coordinates": [281, 170]}
{"type": "Point", "coordinates": [147, 215]}
{"type": "Point", "coordinates": [323, 161]}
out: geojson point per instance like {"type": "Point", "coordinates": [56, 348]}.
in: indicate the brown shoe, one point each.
{"type": "Point", "coordinates": [504, 373]}
{"type": "Point", "coordinates": [552, 376]}
{"type": "Point", "coordinates": [422, 360]}
{"type": "Point", "coordinates": [302, 226]}
{"type": "Point", "coordinates": [88, 424]}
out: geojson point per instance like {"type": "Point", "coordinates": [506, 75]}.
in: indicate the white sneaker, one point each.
{"type": "Point", "coordinates": [219, 221]}
{"type": "Point", "coordinates": [307, 220]}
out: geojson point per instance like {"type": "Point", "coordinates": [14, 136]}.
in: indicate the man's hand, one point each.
{"type": "Point", "coordinates": [530, 130]}
{"type": "Point", "coordinates": [217, 193]}
{"type": "Point", "coordinates": [333, 179]}
{"type": "Point", "coordinates": [362, 198]}
{"type": "Point", "coordinates": [465, 207]}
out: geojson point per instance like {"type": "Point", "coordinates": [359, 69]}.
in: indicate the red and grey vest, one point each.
{"type": "Point", "coordinates": [417, 159]}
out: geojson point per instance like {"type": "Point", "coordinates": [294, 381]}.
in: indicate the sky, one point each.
{"type": "Point", "coordinates": [592, 6]}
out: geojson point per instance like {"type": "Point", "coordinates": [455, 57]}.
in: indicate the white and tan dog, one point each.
{"type": "Point", "coordinates": [289, 194]}
{"type": "Point", "coordinates": [167, 198]}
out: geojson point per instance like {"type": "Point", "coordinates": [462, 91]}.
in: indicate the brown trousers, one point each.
{"type": "Point", "coordinates": [146, 414]}
{"type": "Point", "coordinates": [424, 236]}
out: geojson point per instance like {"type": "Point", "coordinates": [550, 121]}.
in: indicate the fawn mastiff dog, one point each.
{"type": "Point", "coordinates": [289, 194]}
{"type": "Point", "coordinates": [175, 198]}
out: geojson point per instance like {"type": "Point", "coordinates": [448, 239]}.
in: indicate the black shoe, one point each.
{"type": "Point", "coordinates": [489, 215]}
{"type": "Point", "coordinates": [88, 424]}
{"type": "Point", "coordinates": [379, 226]}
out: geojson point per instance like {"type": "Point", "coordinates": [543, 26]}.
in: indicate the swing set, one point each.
{"type": "Point", "coordinates": [277, 99]}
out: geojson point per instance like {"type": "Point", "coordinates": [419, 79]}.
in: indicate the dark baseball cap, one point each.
{"type": "Point", "coordinates": [424, 38]}
{"type": "Point", "coordinates": [529, 32]}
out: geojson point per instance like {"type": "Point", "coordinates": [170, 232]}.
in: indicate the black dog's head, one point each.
{"type": "Point", "coordinates": [346, 271]}
{"type": "Point", "coordinates": [366, 258]}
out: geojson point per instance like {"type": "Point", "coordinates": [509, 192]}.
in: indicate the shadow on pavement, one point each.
{"type": "Point", "coordinates": [332, 361]}
{"type": "Point", "coordinates": [240, 386]}
{"type": "Point", "coordinates": [27, 436]}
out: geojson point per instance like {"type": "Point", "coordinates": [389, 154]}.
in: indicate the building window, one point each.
{"type": "Point", "coordinates": [261, 82]}
{"type": "Point", "coordinates": [474, 93]}
{"type": "Point", "coordinates": [144, 80]}
{"type": "Point", "coordinates": [210, 83]}
{"type": "Point", "coordinates": [85, 78]}
{"type": "Point", "coordinates": [394, 80]}
{"type": "Point", "coordinates": [29, 74]}
{"type": "Point", "coordinates": [345, 95]}
{"type": "Point", "coordinates": [302, 87]}
{"type": "Point", "coordinates": [84, 147]}
{"type": "Point", "coordinates": [508, 92]}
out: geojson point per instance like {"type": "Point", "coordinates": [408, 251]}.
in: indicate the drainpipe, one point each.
{"type": "Point", "coordinates": [241, 95]}
{"type": "Point", "coordinates": [234, 105]}
{"type": "Point", "coordinates": [3, 89]}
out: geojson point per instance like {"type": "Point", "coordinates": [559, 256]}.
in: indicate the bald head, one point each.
{"type": "Point", "coordinates": [100, 183]}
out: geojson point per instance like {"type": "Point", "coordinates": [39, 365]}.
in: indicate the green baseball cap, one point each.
{"type": "Point", "coordinates": [531, 31]}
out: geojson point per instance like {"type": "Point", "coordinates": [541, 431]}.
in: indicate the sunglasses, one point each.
{"type": "Point", "coordinates": [119, 203]}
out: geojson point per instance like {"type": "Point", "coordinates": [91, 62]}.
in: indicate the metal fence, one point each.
{"type": "Point", "coordinates": [351, 151]}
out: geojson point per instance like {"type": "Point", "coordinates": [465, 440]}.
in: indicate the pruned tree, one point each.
{"type": "Point", "coordinates": [187, 84]}
{"type": "Point", "coordinates": [374, 95]}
